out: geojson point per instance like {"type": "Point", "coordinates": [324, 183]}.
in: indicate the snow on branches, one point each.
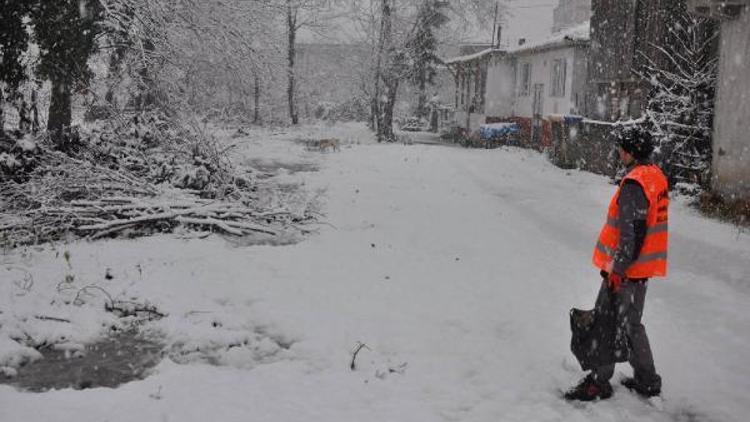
{"type": "Point", "coordinates": [203, 56]}
{"type": "Point", "coordinates": [681, 105]}
{"type": "Point", "coordinates": [146, 176]}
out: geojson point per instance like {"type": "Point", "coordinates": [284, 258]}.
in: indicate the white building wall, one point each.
{"type": "Point", "coordinates": [731, 153]}
{"type": "Point", "coordinates": [500, 88]}
{"type": "Point", "coordinates": [541, 73]}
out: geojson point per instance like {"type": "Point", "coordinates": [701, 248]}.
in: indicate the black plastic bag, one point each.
{"type": "Point", "coordinates": [598, 335]}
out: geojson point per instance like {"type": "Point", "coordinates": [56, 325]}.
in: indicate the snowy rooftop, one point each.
{"type": "Point", "coordinates": [576, 34]}
{"type": "Point", "coordinates": [474, 56]}
{"type": "Point", "coordinates": [564, 38]}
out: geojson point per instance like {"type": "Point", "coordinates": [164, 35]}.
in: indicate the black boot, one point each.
{"type": "Point", "coordinates": [645, 389]}
{"type": "Point", "coordinates": [589, 389]}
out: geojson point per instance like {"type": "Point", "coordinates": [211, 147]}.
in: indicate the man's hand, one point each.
{"type": "Point", "coordinates": [614, 280]}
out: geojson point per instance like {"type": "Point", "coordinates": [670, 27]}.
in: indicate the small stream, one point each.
{"type": "Point", "coordinates": [274, 166]}
{"type": "Point", "coordinates": [112, 361]}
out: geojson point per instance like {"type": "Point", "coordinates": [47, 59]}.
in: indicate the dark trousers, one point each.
{"type": "Point", "coordinates": [632, 296]}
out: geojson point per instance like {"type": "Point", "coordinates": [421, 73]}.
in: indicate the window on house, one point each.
{"type": "Point", "coordinates": [558, 77]}
{"type": "Point", "coordinates": [525, 80]}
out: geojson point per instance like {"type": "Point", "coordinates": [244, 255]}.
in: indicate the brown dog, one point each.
{"type": "Point", "coordinates": [331, 143]}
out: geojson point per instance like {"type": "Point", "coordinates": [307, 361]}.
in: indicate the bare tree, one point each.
{"type": "Point", "coordinates": [397, 31]}
{"type": "Point", "coordinates": [210, 56]}
{"type": "Point", "coordinates": [311, 14]}
{"type": "Point", "coordinates": [13, 43]}
{"type": "Point", "coordinates": [292, 14]}
{"type": "Point", "coordinates": [383, 77]}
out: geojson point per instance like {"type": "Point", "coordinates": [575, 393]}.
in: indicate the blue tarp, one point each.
{"type": "Point", "coordinates": [497, 130]}
{"type": "Point", "coordinates": [572, 120]}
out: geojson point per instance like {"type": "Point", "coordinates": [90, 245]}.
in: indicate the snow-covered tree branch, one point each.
{"type": "Point", "coordinates": [681, 104]}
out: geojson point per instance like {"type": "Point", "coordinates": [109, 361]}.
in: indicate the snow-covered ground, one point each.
{"type": "Point", "coordinates": [455, 267]}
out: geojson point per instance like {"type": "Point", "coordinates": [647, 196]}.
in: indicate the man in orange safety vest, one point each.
{"type": "Point", "coordinates": [632, 247]}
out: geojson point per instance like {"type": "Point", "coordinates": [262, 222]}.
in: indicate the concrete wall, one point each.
{"type": "Point", "coordinates": [731, 153]}
{"type": "Point", "coordinates": [541, 73]}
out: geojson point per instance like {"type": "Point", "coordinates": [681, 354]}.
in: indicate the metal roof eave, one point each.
{"type": "Point", "coordinates": [567, 43]}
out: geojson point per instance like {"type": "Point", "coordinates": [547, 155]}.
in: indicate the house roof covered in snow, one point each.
{"type": "Point", "coordinates": [572, 36]}
{"type": "Point", "coordinates": [474, 56]}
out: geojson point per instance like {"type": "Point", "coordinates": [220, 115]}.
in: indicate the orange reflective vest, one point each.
{"type": "Point", "coordinates": [652, 259]}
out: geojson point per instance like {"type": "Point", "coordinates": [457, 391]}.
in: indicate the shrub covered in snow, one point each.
{"type": "Point", "coordinates": [17, 156]}
{"type": "Point", "coordinates": [163, 152]}
{"type": "Point", "coordinates": [352, 110]}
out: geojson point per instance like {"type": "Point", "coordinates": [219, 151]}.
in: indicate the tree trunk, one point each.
{"type": "Point", "coordinates": [374, 114]}
{"type": "Point", "coordinates": [59, 108]}
{"type": "Point", "coordinates": [256, 98]}
{"type": "Point", "coordinates": [391, 85]}
{"type": "Point", "coordinates": [291, 19]}
{"type": "Point", "coordinates": [24, 122]}
{"type": "Point", "coordinates": [422, 98]}
{"type": "Point", "coordinates": [390, 79]}
{"type": "Point", "coordinates": [2, 114]}
{"type": "Point", "coordinates": [384, 116]}
{"type": "Point", "coordinates": [34, 111]}
{"type": "Point", "coordinates": [375, 100]}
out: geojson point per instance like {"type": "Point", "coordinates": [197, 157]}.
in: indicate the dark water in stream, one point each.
{"type": "Point", "coordinates": [115, 360]}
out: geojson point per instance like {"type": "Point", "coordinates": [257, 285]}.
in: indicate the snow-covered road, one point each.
{"type": "Point", "coordinates": [455, 267]}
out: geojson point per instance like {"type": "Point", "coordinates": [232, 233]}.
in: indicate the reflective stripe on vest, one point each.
{"type": "Point", "coordinates": [652, 258]}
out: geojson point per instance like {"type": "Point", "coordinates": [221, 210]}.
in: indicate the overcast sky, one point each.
{"type": "Point", "coordinates": [530, 19]}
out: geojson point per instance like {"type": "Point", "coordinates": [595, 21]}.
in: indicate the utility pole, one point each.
{"type": "Point", "coordinates": [494, 27]}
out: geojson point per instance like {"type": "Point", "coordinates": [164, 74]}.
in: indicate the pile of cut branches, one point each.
{"type": "Point", "coordinates": [82, 199]}
{"type": "Point", "coordinates": [111, 215]}
{"type": "Point", "coordinates": [125, 186]}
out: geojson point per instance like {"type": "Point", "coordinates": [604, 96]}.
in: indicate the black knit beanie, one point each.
{"type": "Point", "coordinates": [636, 140]}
